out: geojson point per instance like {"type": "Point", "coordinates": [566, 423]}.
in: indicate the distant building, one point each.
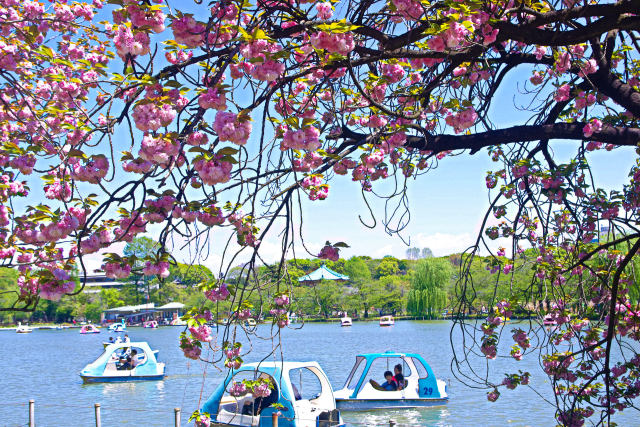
{"type": "Point", "coordinates": [95, 283]}
{"type": "Point", "coordinates": [131, 312]}
{"type": "Point", "coordinates": [140, 312]}
{"type": "Point", "coordinates": [322, 273]}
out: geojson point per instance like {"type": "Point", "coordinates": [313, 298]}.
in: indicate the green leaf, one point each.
{"type": "Point", "coordinates": [227, 151]}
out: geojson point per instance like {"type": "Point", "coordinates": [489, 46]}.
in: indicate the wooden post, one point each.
{"type": "Point", "coordinates": [97, 410]}
{"type": "Point", "coordinates": [274, 419]}
{"type": "Point", "coordinates": [32, 413]}
{"type": "Point", "coordinates": [176, 413]}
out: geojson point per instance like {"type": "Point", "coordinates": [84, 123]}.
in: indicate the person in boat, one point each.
{"type": "Point", "coordinates": [400, 381]}
{"type": "Point", "coordinates": [111, 340]}
{"type": "Point", "coordinates": [390, 383]}
{"type": "Point", "coordinates": [397, 375]}
{"type": "Point", "coordinates": [126, 338]}
{"type": "Point", "coordinates": [129, 361]}
{"type": "Point", "coordinates": [134, 359]}
{"type": "Point", "coordinates": [125, 362]}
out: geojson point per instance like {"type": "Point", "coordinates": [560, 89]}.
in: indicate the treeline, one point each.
{"type": "Point", "coordinates": [180, 286]}
{"type": "Point", "coordinates": [421, 287]}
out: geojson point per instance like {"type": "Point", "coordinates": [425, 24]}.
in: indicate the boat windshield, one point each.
{"type": "Point", "coordinates": [356, 373]}
{"type": "Point", "coordinates": [422, 371]}
{"type": "Point", "coordinates": [305, 384]}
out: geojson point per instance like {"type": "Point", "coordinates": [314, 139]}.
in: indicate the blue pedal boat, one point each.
{"type": "Point", "coordinates": [301, 392]}
{"type": "Point", "coordinates": [130, 361]}
{"type": "Point", "coordinates": [362, 392]}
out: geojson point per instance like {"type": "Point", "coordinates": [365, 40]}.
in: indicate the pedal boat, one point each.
{"type": "Point", "coordinates": [315, 408]}
{"type": "Point", "coordinates": [118, 327]}
{"type": "Point", "coordinates": [387, 321]}
{"type": "Point", "coordinates": [23, 329]}
{"type": "Point", "coordinates": [108, 367]}
{"type": "Point", "coordinates": [346, 321]}
{"type": "Point", "coordinates": [422, 388]}
{"type": "Point", "coordinates": [152, 324]}
{"type": "Point", "coordinates": [89, 329]}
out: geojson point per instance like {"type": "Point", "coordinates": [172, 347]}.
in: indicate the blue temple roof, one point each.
{"type": "Point", "coordinates": [323, 273]}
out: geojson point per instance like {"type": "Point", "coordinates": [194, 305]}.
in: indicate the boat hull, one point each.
{"type": "Point", "coordinates": [217, 424]}
{"type": "Point", "coordinates": [121, 378]}
{"type": "Point", "coordinates": [368, 404]}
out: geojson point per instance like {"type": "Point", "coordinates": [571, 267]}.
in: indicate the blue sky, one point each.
{"type": "Point", "coordinates": [446, 205]}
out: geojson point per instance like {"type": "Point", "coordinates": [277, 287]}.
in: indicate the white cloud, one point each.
{"type": "Point", "coordinates": [382, 251]}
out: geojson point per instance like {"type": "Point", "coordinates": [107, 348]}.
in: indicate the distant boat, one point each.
{"type": "Point", "coordinates": [250, 322]}
{"type": "Point", "coordinates": [346, 321]}
{"type": "Point", "coordinates": [150, 324]}
{"type": "Point", "coordinates": [387, 321]}
{"type": "Point", "coordinates": [549, 320]}
{"type": "Point", "coordinates": [89, 329]}
{"type": "Point", "coordinates": [118, 327]}
{"type": "Point", "coordinates": [178, 322]}
{"type": "Point", "coordinates": [131, 361]}
{"type": "Point", "coordinates": [23, 329]}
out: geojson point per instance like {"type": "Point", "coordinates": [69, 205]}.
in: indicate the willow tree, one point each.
{"type": "Point", "coordinates": [428, 295]}
{"type": "Point", "coordinates": [212, 125]}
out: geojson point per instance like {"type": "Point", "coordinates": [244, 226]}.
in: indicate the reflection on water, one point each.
{"type": "Point", "coordinates": [45, 366]}
{"type": "Point", "coordinates": [434, 416]}
{"type": "Point", "coordinates": [131, 390]}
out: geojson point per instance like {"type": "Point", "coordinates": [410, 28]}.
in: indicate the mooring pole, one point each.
{"type": "Point", "coordinates": [274, 419]}
{"type": "Point", "coordinates": [176, 414]}
{"type": "Point", "coordinates": [98, 420]}
{"type": "Point", "coordinates": [32, 413]}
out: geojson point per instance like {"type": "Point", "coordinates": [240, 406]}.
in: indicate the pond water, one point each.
{"type": "Point", "coordinates": [45, 364]}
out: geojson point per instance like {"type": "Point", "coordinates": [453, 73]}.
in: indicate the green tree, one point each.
{"type": "Point", "coordinates": [357, 270]}
{"type": "Point", "coordinates": [428, 295]}
{"type": "Point", "coordinates": [190, 275]}
{"type": "Point", "coordinates": [328, 297]}
{"type": "Point", "coordinates": [388, 266]}
{"type": "Point", "coordinates": [391, 296]}
{"type": "Point", "coordinates": [369, 293]}
{"type": "Point", "coordinates": [141, 248]}
{"type": "Point", "coordinates": [111, 298]}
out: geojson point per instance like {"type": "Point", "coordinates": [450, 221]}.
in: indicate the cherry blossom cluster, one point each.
{"type": "Point", "coordinates": [232, 355]}
{"type": "Point", "coordinates": [219, 293]}
{"type": "Point", "coordinates": [192, 348]}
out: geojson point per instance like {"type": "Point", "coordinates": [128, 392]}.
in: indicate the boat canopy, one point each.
{"type": "Point", "coordinates": [301, 390]}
